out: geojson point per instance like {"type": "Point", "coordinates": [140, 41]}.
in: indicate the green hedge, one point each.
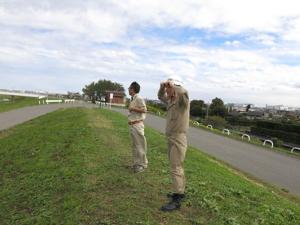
{"type": "Point", "coordinates": [155, 110]}
{"type": "Point", "coordinates": [290, 137]}
{"type": "Point", "coordinates": [293, 128]}
{"type": "Point", "coordinates": [240, 121]}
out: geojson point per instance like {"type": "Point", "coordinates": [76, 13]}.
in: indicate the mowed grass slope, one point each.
{"type": "Point", "coordinates": [17, 102]}
{"type": "Point", "coordinates": [72, 167]}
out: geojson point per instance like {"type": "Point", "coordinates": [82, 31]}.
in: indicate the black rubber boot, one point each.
{"type": "Point", "coordinates": [170, 195]}
{"type": "Point", "coordinates": [174, 204]}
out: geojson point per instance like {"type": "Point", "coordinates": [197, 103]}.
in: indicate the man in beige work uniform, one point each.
{"type": "Point", "coordinates": [137, 114]}
{"type": "Point", "coordinates": [178, 108]}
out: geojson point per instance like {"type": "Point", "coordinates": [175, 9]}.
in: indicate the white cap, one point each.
{"type": "Point", "coordinates": [176, 82]}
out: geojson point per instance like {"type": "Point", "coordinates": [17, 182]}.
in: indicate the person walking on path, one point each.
{"type": "Point", "coordinates": [176, 98]}
{"type": "Point", "coordinates": [137, 114]}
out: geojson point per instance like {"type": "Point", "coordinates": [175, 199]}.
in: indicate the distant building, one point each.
{"type": "Point", "coordinates": [253, 115]}
{"type": "Point", "coordinates": [277, 107]}
{"type": "Point", "coordinates": [73, 95]}
{"type": "Point", "coordinates": [281, 108]}
{"type": "Point", "coordinates": [237, 107]}
{"type": "Point", "coordinates": [256, 109]}
{"type": "Point", "coordinates": [234, 114]}
{"type": "Point", "coordinates": [118, 97]}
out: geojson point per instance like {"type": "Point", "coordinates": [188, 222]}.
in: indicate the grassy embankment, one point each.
{"type": "Point", "coordinates": [15, 102]}
{"type": "Point", "coordinates": [71, 167]}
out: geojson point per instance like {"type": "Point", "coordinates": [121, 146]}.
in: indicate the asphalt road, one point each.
{"type": "Point", "coordinates": [272, 167]}
{"type": "Point", "coordinates": [276, 168]}
{"type": "Point", "coordinates": [15, 117]}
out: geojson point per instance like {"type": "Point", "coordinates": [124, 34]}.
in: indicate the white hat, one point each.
{"type": "Point", "coordinates": [175, 81]}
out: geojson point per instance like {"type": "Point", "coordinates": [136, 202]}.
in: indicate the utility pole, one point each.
{"type": "Point", "coordinates": [207, 107]}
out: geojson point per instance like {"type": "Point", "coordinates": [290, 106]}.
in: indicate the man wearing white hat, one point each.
{"type": "Point", "coordinates": [176, 97]}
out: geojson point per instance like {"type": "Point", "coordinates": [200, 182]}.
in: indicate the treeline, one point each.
{"type": "Point", "coordinates": [216, 114]}
{"type": "Point", "coordinates": [200, 109]}
{"type": "Point", "coordinates": [96, 90]}
{"type": "Point", "coordinates": [213, 113]}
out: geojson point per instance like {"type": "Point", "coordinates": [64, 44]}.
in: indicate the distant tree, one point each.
{"type": "Point", "coordinates": [197, 108]}
{"type": "Point", "coordinates": [98, 89]}
{"type": "Point", "coordinates": [89, 90]}
{"type": "Point", "coordinates": [217, 108]}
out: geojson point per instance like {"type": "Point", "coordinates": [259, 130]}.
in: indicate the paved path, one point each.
{"type": "Point", "coordinates": [15, 117]}
{"type": "Point", "coordinates": [269, 166]}
{"type": "Point", "coordinates": [273, 167]}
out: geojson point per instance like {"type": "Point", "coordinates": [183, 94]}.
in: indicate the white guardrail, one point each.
{"type": "Point", "coordinates": [226, 131]}
{"type": "Point", "coordinates": [69, 100]}
{"type": "Point", "coordinates": [209, 126]}
{"type": "Point", "coordinates": [295, 148]}
{"type": "Point", "coordinates": [47, 101]}
{"type": "Point", "coordinates": [244, 135]}
{"type": "Point", "coordinates": [53, 101]}
{"type": "Point", "coordinates": [268, 141]}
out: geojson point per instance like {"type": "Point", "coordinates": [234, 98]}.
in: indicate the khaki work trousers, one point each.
{"type": "Point", "coordinates": [177, 146]}
{"type": "Point", "coordinates": [139, 145]}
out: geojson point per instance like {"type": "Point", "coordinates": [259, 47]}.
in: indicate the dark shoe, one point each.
{"type": "Point", "coordinates": [171, 206]}
{"type": "Point", "coordinates": [174, 204]}
{"type": "Point", "coordinates": [178, 197]}
{"type": "Point", "coordinates": [175, 195]}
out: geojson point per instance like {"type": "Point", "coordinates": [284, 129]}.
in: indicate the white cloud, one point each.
{"type": "Point", "coordinates": [112, 18]}
{"type": "Point", "coordinates": [293, 31]}
{"type": "Point", "coordinates": [263, 39]}
{"type": "Point", "coordinates": [82, 41]}
{"type": "Point", "coordinates": [234, 43]}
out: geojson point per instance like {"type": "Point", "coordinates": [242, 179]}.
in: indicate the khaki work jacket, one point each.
{"type": "Point", "coordinates": [178, 110]}
{"type": "Point", "coordinates": [137, 102]}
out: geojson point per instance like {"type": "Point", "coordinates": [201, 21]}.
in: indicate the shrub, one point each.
{"type": "Point", "coordinates": [279, 126]}
{"type": "Point", "coordinates": [240, 121]}
{"type": "Point", "coordinates": [283, 135]}
{"type": "Point", "coordinates": [216, 122]}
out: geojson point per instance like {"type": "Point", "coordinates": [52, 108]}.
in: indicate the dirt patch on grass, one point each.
{"type": "Point", "coordinates": [6, 133]}
{"type": "Point", "coordinates": [98, 121]}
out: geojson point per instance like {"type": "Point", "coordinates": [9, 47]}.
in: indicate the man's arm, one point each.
{"type": "Point", "coordinates": [183, 97]}
{"type": "Point", "coordinates": [139, 110]}
{"type": "Point", "coordinates": [162, 93]}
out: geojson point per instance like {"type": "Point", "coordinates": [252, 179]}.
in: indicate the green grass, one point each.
{"type": "Point", "coordinates": [16, 102]}
{"type": "Point", "coordinates": [71, 167]}
{"type": "Point", "coordinates": [155, 110]}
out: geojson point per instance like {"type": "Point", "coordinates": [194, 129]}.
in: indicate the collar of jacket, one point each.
{"type": "Point", "coordinates": [134, 97]}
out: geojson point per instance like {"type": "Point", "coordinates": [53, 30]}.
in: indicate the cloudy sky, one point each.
{"type": "Point", "coordinates": [241, 51]}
